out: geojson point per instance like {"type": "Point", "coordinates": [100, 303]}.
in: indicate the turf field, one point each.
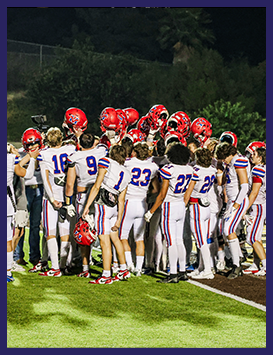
{"type": "Point", "coordinates": [67, 312]}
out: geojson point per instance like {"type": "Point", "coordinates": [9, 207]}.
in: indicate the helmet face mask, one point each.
{"type": "Point", "coordinates": [30, 138]}
{"type": "Point", "coordinates": [228, 137]}
{"type": "Point", "coordinates": [174, 136]}
{"type": "Point", "coordinates": [201, 129]}
{"type": "Point", "coordinates": [180, 122]}
{"type": "Point", "coordinates": [157, 116]}
{"type": "Point", "coordinates": [250, 149]}
{"type": "Point", "coordinates": [136, 136]}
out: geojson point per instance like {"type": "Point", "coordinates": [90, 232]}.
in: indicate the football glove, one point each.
{"type": "Point", "coordinates": [230, 213]}
{"type": "Point", "coordinates": [89, 218]}
{"type": "Point", "coordinates": [70, 210]}
{"type": "Point", "coordinates": [249, 219]}
{"type": "Point", "coordinates": [148, 215]}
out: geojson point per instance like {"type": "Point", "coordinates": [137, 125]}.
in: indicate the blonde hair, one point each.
{"type": "Point", "coordinates": [54, 136]}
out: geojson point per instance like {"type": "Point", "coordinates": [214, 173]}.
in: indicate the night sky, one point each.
{"type": "Point", "coordinates": [239, 31]}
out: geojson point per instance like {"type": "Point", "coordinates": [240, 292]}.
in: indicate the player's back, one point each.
{"type": "Point", "coordinates": [142, 172]}
{"type": "Point", "coordinates": [204, 178]}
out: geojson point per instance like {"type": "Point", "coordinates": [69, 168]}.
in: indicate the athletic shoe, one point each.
{"type": "Point", "coordinates": [182, 276]}
{"type": "Point", "coordinates": [21, 262]}
{"type": "Point", "coordinates": [10, 278]}
{"type": "Point", "coordinates": [194, 273]}
{"type": "Point", "coordinates": [252, 269]}
{"type": "Point", "coordinates": [17, 267]}
{"type": "Point", "coordinates": [170, 279]}
{"type": "Point", "coordinates": [131, 267]}
{"type": "Point", "coordinates": [84, 274]}
{"type": "Point", "coordinates": [51, 272]}
{"type": "Point", "coordinates": [190, 268]}
{"type": "Point", "coordinates": [41, 266]}
{"type": "Point", "coordinates": [203, 275]}
{"type": "Point", "coordinates": [213, 270]}
{"type": "Point", "coordinates": [115, 269]}
{"type": "Point", "coordinates": [261, 272]}
{"type": "Point", "coordinates": [102, 280]}
{"type": "Point", "coordinates": [122, 275]}
{"type": "Point", "coordinates": [66, 271]}
{"type": "Point", "coordinates": [235, 272]}
{"type": "Point", "coordinates": [137, 272]}
{"type": "Point", "coordinates": [220, 265]}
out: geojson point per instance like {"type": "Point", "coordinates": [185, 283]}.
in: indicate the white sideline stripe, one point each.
{"type": "Point", "coordinates": [237, 298]}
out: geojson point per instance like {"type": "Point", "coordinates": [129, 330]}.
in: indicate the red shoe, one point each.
{"type": "Point", "coordinates": [102, 280]}
{"type": "Point", "coordinates": [51, 272]}
{"type": "Point", "coordinates": [84, 274]}
{"type": "Point", "coordinates": [41, 266]}
{"type": "Point", "coordinates": [122, 275]}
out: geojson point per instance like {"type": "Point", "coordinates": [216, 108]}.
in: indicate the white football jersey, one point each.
{"type": "Point", "coordinates": [86, 164]}
{"type": "Point", "coordinates": [117, 176]}
{"type": "Point", "coordinates": [142, 172]}
{"type": "Point", "coordinates": [232, 181]}
{"type": "Point", "coordinates": [12, 160]}
{"type": "Point", "coordinates": [214, 197]}
{"type": "Point", "coordinates": [55, 161]}
{"type": "Point", "coordinates": [258, 174]}
{"type": "Point", "coordinates": [37, 177]}
{"type": "Point", "coordinates": [204, 178]}
{"type": "Point", "coordinates": [179, 177]}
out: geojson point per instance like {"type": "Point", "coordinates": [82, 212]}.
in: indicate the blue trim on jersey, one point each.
{"type": "Point", "coordinates": [240, 163]}
{"type": "Point", "coordinates": [258, 172]}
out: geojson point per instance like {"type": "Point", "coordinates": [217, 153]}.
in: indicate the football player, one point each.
{"type": "Point", "coordinates": [108, 194]}
{"type": "Point", "coordinates": [257, 211]}
{"type": "Point", "coordinates": [14, 166]}
{"type": "Point", "coordinates": [83, 169]}
{"type": "Point", "coordinates": [144, 173]}
{"type": "Point", "coordinates": [199, 206]}
{"type": "Point", "coordinates": [53, 164]}
{"type": "Point", "coordinates": [175, 179]}
{"type": "Point", "coordinates": [236, 185]}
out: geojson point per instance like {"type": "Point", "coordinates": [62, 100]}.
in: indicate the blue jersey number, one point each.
{"type": "Point", "coordinates": [208, 183]}
{"type": "Point", "coordinates": [121, 175]}
{"type": "Point", "coordinates": [92, 165]}
{"type": "Point", "coordinates": [137, 172]}
{"type": "Point", "coordinates": [182, 184]}
{"type": "Point", "coordinates": [59, 163]}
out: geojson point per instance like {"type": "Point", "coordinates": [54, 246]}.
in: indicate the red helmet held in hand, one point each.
{"type": "Point", "coordinates": [132, 115]}
{"type": "Point", "coordinates": [201, 129]}
{"type": "Point", "coordinates": [74, 118]}
{"type": "Point", "coordinates": [82, 233]}
{"type": "Point", "coordinates": [228, 137]}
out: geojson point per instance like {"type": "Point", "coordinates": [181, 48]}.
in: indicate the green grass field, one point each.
{"type": "Point", "coordinates": [68, 312]}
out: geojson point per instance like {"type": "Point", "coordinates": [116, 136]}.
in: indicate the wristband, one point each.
{"type": "Point", "coordinates": [68, 200]}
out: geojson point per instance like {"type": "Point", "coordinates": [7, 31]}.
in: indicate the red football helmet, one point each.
{"type": "Point", "coordinates": [157, 116]}
{"type": "Point", "coordinates": [108, 119]}
{"type": "Point", "coordinates": [122, 125]}
{"type": "Point", "coordinates": [174, 136]}
{"type": "Point", "coordinates": [82, 233]}
{"type": "Point", "coordinates": [250, 149]}
{"type": "Point", "coordinates": [180, 122]}
{"type": "Point", "coordinates": [30, 137]}
{"type": "Point", "coordinates": [132, 115]}
{"type": "Point", "coordinates": [228, 137]}
{"type": "Point", "coordinates": [105, 141]}
{"type": "Point", "coordinates": [74, 117]}
{"type": "Point", "coordinates": [136, 135]}
{"type": "Point", "coordinates": [201, 129]}
{"type": "Point", "coordinates": [143, 125]}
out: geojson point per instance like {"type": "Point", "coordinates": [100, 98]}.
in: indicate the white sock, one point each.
{"type": "Point", "coordinates": [221, 255]}
{"type": "Point", "coordinates": [264, 263]}
{"type": "Point", "coordinates": [85, 268]}
{"type": "Point", "coordinates": [106, 273]}
{"type": "Point", "coordinates": [65, 246]}
{"type": "Point", "coordinates": [235, 251]}
{"type": "Point", "coordinates": [9, 259]}
{"type": "Point", "coordinates": [128, 257]}
{"type": "Point", "coordinates": [206, 257]}
{"type": "Point", "coordinates": [172, 252]}
{"type": "Point", "coordinates": [122, 267]}
{"type": "Point", "coordinates": [181, 250]}
{"type": "Point", "coordinates": [139, 262]}
{"type": "Point", "coordinates": [52, 246]}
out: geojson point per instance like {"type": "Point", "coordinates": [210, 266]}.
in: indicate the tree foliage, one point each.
{"type": "Point", "coordinates": [225, 116]}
